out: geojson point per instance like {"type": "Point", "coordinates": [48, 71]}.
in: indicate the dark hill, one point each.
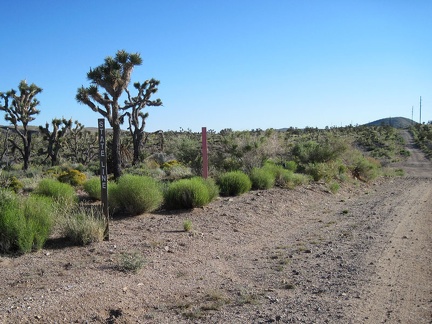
{"type": "Point", "coordinates": [397, 122]}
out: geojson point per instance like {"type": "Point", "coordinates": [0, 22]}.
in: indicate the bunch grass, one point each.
{"type": "Point", "coordinates": [190, 193]}
{"type": "Point", "coordinates": [25, 222]}
{"type": "Point", "coordinates": [136, 194]}
{"type": "Point", "coordinates": [84, 226]}
{"type": "Point", "coordinates": [262, 178]}
{"type": "Point", "coordinates": [60, 192]}
{"type": "Point", "coordinates": [234, 183]}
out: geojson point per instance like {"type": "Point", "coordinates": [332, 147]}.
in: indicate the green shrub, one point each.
{"type": "Point", "coordinates": [382, 153]}
{"type": "Point", "coordinates": [234, 183]}
{"type": "Point", "coordinates": [149, 171]}
{"type": "Point", "coordinates": [60, 192]}
{"type": "Point", "coordinates": [11, 220]}
{"type": "Point", "coordinates": [178, 172]}
{"type": "Point", "coordinates": [113, 197]}
{"type": "Point", "coordinates": [231, 164]}
{"type": "Point", "coordinates": [342, 170]}
{"type": "Point", "coordinates": [291, 180]}
{"type": "Point", "coordinates": [131, 262]}
{"type": "Point", "coordinates": [78, 166]}
{"type": "Point", "coordinates": [170, 164]}
{"type": "Point", "coordinates": [291, 166]}
{"type": "Point", "coordinates": [273, 168]}
{"type": "Point", "coordinates": [14, 184]}
{"type": "Point", "coordinates": [307, 152]}
{"type": "Point", "coordinates": [10, 180]}
{"type": "Point", "coordinates": [324, 171]}
{"type": "Point", "coordinates": [212, 188]}
{"type": "Point", "coordinates": [38, 223]}
{"type": "Point", "coordinates": [84, 226]}
{"type": "Point", "coordinates": [93, 187]}
{"type": "Point", "coordinates": [286, 178]}
{"type": "Point", "coordinates": [16, 167]}
{"type": "Point", "coordinates": [262, 178]}
{"type": "Point", "coordinates": [34, 171]}
{"type": "Point", "coordinates": [316, 170]}
{"type": "Point", "coordinates": [151, 164]}
{"type": "Point", "coordinates": [365, 168]}
{"type": "Point", "coordinates": [136, 194]}
{"type": "Point", "coordinates": [30, 184]}
{"type": "Point", "coordinates": [72, 177]}
{"type": "Point", "coordinates": [334, 187]}
{"type": "Point", "coordinates": [187, 150]}
{"type": "Point", "coordinates": [25, 223]}
{"type": "Point", "coordinates": [53, 171]}
{"type": "Point", "coordinates": [187, 225]}
{"type": "Point", "coordinates": [190, 193]}
{"type": "Point", "coordinates": [278, 171]}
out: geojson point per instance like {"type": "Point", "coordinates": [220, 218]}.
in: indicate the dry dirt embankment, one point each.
{"type": "Point", "coordinates": [289, 256]}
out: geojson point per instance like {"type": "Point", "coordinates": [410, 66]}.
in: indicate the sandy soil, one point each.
{"type": "Point", "coordinates": [362, 255]}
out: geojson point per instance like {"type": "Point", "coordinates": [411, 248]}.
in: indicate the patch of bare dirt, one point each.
{"type": "Point", "coordinates": [362, 255]}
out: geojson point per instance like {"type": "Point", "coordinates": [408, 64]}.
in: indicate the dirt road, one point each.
{"type": "Point", "coordinates": [400, 289]}
{"type": "Point", "coordinates": [363, 255]}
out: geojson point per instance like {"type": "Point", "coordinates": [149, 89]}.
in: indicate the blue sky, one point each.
{"type": "Point", "coordinates": [242, 64]}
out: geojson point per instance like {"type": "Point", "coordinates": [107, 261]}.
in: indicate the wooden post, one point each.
{"type": "Point", "coordinates": [103, 174]}
{"type": "Point", "coordinates": [204, 153]}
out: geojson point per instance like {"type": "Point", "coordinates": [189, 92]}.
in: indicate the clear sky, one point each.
{"type": "Point", "coordinates": [240, 64]}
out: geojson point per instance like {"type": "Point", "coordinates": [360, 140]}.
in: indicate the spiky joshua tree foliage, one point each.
{"type": "Point", "coordinates": [113, 76]}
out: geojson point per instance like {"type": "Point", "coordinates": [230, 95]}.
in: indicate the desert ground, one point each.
{"type": "Point", "coordinates": [362, 255]}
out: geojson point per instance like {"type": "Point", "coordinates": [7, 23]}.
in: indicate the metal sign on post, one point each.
{"type": "Point", "coordinates": [204, 153]}
{"type": "Point", "coordinates": [103, 174]}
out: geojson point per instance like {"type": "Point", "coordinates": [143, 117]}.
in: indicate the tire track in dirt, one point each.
{"type": "Point", "coordinates": [400, 291]}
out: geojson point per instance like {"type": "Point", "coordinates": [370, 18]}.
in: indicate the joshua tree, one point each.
{"type": "Point", "coordinates": [137, 118]}
{"type": "Point", "coordinates": [81, 145]}
{"type": "Point", "coordinates": [55, 138]}
{"type": "Point", "coordinates": [20, 110]}
{"type": "Point", "coordinates": [114, 77]}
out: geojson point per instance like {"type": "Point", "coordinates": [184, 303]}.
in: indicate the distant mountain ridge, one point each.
{"type": "Point", "coordinates": [396, 122]}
